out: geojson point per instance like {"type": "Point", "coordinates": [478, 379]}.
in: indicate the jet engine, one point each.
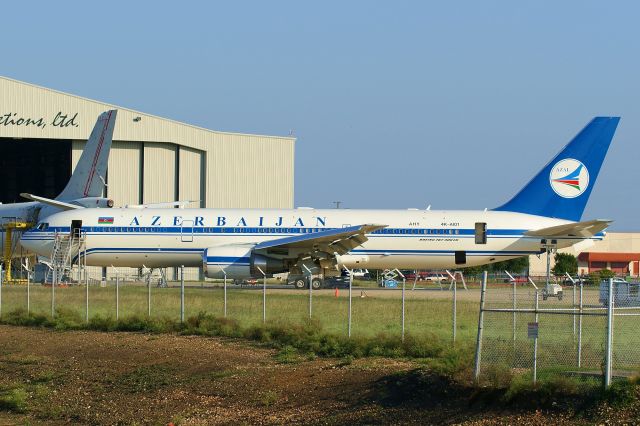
{"type": "Point", "coordinates": [238, 261]}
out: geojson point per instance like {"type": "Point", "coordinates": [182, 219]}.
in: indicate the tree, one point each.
{"type": "Point", "coordinates": [565, 263]}
{"type": "Point", "coordinates": [516, 266]}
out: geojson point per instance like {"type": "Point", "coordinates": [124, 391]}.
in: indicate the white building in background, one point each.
{"type": "Point", "coordinates": [153, 159]}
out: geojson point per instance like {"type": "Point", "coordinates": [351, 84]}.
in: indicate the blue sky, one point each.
{"type": "Point", "coordinates": [395, 105]}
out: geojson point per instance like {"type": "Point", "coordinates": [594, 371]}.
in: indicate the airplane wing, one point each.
{"type": "Point", "coordinates": [55, 203]}
{"type": "Point", "coordinates": [338, 241]}
{"type": "Point", "coordinates": [578, 229]}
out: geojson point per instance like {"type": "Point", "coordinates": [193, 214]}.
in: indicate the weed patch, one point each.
{"type": "Point", "coordinates": [14, 400]}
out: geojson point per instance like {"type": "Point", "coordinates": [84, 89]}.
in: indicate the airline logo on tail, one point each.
{"type": "Point", "coordinates": [569, 178]}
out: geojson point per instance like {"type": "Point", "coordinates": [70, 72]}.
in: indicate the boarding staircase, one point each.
{"type": "Point", "coordinates": [64, 255]}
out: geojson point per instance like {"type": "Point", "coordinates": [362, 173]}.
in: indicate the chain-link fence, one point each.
{"type": "Point", "coordinates": [547, 332]}
{"type": "Point", "coordinates": [423, 312]}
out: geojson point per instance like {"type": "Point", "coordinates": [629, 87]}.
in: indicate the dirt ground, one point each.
{"type": "Point", "coordinates": [130, 378]}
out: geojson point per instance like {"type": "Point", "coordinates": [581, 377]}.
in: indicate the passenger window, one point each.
{"type": "Point", "coordinates": [481, 233]}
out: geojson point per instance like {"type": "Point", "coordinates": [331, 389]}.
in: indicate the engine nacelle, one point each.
{"type": "Point", "coordinates": [238, 262]}
{"type": "Point", "coordinates": [352, 261]}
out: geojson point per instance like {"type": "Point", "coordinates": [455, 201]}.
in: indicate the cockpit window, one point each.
{"type": "Point", "coordinates": [42, 226]}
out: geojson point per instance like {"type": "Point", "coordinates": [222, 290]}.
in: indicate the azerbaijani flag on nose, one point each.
{"type": "Point", "coordinates": [103, 219]}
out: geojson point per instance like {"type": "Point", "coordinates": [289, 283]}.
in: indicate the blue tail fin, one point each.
{"type": "Point", "coordinates": [561, 189]}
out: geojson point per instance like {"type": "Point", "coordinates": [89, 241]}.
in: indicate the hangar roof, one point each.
{"type": "Point", "coordinates": [31, 111]}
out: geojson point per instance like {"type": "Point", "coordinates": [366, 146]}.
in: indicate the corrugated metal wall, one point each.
{"type": "Point", "coordinates": [191, 176]}
{"type": "Point", "coordinates": [159, 173]}
{"type": "Point", "coordinates": [124, 173]}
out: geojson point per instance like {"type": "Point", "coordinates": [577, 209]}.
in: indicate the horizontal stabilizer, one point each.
{"type": "Point", "coordinates": [180, 204]}
{"type": "Point", "coordinates": [586, 229]}
{"type": "Point", "coordinates": [55, 203]}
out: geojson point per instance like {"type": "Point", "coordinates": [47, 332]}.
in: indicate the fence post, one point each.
{"type": "Point", "coordinates": [476, 369]}
{"type": "Point", "coordinates": [310, 290]}
{"type": "Point", "coordinates": [350, 288]}
{"type": "Point", "coordinates": [580, 331]}
{"type": "Point", "coordinates": [514, 296]}
{"type": "Point", "coordinates": [149, 296]}
{"type": "Point", "coordinates": [607, 362]}
{"type": "Point", "coordinates": [404, 281]}
{"type": "Point", "coordinates": [455, 309]}
{"type": "Point", "coordinates": [1, 278]}
{"type": "Point", "coordinates": [53, 291]}
{"type": "Point", "coordinates": [117, 296]}
{"type": "Point", "coordinates": [535, 342]}
{"type": "Point", "coordinates": [86, 297]}
{"type": "Point", "coordinates": [264, 295]}
{"type": "Point", "coordinates": [28, 291]}
{"type": "Point", "coordinates": [225, 293]}
{"type": "Point", "coordinates": [181, 293]}
{"type": "Point", "coordinates": [574, 310]}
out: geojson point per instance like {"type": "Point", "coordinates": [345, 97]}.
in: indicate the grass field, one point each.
{"type": "Point", "coordinates": [378, 312]}
{"type": "Point", "coordinates": [376, 322]}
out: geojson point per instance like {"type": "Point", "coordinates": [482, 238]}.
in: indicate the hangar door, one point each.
{"type": "Point", "coordinates": [38, 166]}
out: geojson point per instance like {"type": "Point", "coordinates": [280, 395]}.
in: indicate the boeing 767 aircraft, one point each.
{"type": "Point", "coordinates": [241, 243]}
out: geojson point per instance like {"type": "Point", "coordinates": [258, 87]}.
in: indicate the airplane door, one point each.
{"type": "Point", "coordinates": [76, 226]}
{"type": "Point", "coordinates": [186, 231]}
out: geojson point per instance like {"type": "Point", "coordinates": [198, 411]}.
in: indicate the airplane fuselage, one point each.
{"type": "Point", "coordinates": [412, 239]}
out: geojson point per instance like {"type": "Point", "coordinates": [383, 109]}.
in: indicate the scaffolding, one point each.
{"type": "Point", "coordinates": [14, 225]}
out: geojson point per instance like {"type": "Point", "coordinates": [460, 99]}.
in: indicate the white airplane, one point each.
{"type": "Point", "coordinates": [246, 242]}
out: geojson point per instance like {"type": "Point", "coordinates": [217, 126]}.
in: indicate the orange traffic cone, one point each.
{"type": "Point", "coordinates": [336, 292]}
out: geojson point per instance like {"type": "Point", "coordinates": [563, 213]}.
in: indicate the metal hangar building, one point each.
{"type": "Point", "coordinates": [152, 159]}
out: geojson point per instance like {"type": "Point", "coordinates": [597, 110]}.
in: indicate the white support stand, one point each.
{"type": "Point", "coordinates": [454, 279]}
